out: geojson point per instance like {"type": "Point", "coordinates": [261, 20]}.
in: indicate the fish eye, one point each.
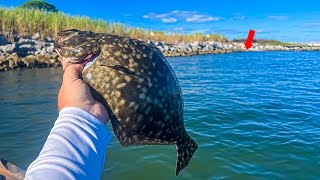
{"type": "Point", "coordinates": [75, 52]}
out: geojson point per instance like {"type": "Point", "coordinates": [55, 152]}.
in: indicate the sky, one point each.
{"type": "Point", "coordinates": [285, 20]}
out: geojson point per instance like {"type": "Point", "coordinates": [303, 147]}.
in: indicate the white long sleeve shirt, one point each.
{"type": "Point", "coordinates": [75, 148]}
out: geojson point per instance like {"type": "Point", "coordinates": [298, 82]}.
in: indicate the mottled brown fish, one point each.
{"type": "Point", "coordinates": [136, 84]}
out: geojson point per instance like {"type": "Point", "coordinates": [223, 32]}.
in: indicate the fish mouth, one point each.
{"type": "Point", "coordinates": [84, 59]}
{"type": "Point", "coordinates": [57, 47]}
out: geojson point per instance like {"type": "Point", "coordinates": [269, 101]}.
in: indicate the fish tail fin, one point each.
{"type": "Point", "coordinates": [185, 150]}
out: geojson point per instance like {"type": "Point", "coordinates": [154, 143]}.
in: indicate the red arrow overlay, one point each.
{"type": "Point", "coordinates": [248, 43]}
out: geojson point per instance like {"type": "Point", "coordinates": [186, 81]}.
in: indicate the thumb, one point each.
{"type": "Point", "coordinates": [72, 73]}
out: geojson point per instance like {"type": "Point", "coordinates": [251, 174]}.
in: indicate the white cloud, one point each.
{"type": "Point", "coordinates": [176, 15]}
{"type": "Point", "coordinates": [241, 18]}
{"type": "Point", "coordinates": [178, 29]}
{"type": "Point", "coordinates": [316, 24]}
{"type": "Point", "coordinates": [260, 31]}
{"type": "Point", "coordinates": [161, 15]}
{"type": "Point", "coordinates": [201, 18]}
{"type": "Point", "coordinates": [279, 18]}
{"type": "Point", "coordinates": [169, 20]}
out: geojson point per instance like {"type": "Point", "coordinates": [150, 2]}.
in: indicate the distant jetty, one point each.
{"type": "Point", "coordinates": [32, 52]}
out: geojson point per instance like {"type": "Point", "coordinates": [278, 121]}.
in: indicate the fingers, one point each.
{"type": "Point", "coordinates": [64, 63]}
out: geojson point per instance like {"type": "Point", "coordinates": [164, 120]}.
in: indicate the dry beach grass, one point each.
{"type": "Point", "coordinates": [28, 22]}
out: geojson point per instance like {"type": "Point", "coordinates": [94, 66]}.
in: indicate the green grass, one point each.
{"type": "Point", "coordinates": [270, 42]}
{"type": "Point", "coordinates": [277, 43]}
{"type": "Point", "coordinates": [28, 22]}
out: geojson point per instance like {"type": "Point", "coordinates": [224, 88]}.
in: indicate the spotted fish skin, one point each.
{"type": "Point", "coordinates": [140, 91]}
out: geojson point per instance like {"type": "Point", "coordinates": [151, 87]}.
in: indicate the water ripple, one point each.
{"type": "Point", "coordinates": [254, 116]}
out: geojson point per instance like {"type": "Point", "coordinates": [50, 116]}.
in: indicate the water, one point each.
{"type": "Point", "coordinates": [254, 116]}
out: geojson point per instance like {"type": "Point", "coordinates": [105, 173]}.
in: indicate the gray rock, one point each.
{"type": "Point", "coordinates": [36, 36]}
{"type": "Point", "coordinates": [27, 46]}
{"type": "Point", "coordinates": [195, 48]}
{"type": "Point", "coordinates": [3, 40]}
{"type": "Point", "coordinates": [5, 62]}
{"type": "Point", "coordinates": [157, 43]}
{"type": "Point", "coordinates": [50, 49]}
{"type": "Point", "coordinates": [49, 44]}
{"type": "Point", "coordinates": [48, 39]}
{"type": "Point", "coordinates": [8, 48]}
{"type": "Point", "coordinates": [29, 61]}
{"type": "Point", "coordinates": [39, 45]}
{"type": "Point", "coordinates": [26, 41]}
{"type": "Point", "coordinates": [12, 63]}
{"type": "Point", "coordinates": [208, 47]}
{"type": "Point", "coordinates": [160, 48]}
{"type": "Point", "coordinates": [43, 52]}
{"type": "Point", "coordinates": [52, 61]}
{"type": "Point", "coordinates": [166, 47]}
{"type": "Point", "coordinates": [196, 43]}
{"type": "Point", "coordinates": [25, 50]}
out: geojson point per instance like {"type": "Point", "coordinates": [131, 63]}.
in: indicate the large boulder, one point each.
{"type": "Point", "coordinates": [9, 48]}
{"type": "Point", "coordinates": [48, 39]}
{"type": "Point", "coordinates": [25, 50]}
{"type": "Point", "coordinates": [36, 36]}
{"type": "Point", "coordinates": [43, 52]}
{"type": "Point", "coordinates": [165, 47]}
{"type": "Point", "coordinates": [49, 44]}
{"type": "Point", "coordinates": [149, 42]}
{"type": "Point", "coordinates": [50, 49]}
{"type": "Point", "coordinates": [195, 47]}
{"type": "Point", "coordinates": [196, 43]}
{"type": "Point", "coordinates": [39, 45]}
{"type": "Point", "coordinates": [2, 60]}
{"type": "Point", "coordinates": [3, 40]}
{"type": "Point", "coordinates": [23, 41]}
{"type": "Point", "coordinates": [29, 61]}
{"type": "Point", "coordinates": [13, 58]}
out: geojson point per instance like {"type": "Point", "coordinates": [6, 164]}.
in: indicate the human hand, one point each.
{"type": "Point", "coordinates": [74, 92]}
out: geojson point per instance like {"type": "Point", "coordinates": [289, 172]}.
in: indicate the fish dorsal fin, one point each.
{"type": "Point", "coordinates": [68, 32]}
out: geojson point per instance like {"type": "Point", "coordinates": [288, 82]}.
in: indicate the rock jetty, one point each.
{"type": "Point", "coordinates": [31, 52]}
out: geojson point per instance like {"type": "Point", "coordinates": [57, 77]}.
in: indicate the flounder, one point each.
{"type": "Point", "coordinates": [136, 84]}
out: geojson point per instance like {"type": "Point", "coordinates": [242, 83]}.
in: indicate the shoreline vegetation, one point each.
{"type": "Point", "coordinates": [26, 38]}
{"type": "Point", "coordinates": [30, 21]}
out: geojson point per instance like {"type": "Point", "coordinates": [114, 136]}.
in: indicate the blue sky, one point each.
{"type": "Point", "coordinates": [292, 21]}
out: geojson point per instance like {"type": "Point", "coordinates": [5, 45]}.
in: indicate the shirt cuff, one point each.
{"type": "Point", "coordinates": [74, 149]}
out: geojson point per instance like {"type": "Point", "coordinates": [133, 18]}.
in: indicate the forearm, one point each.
{"type": "Point", "coordinates": [75, 148]}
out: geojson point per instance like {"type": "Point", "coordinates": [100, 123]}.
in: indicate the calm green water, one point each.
{"type": "Point", "coordinates": [254, 116]}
